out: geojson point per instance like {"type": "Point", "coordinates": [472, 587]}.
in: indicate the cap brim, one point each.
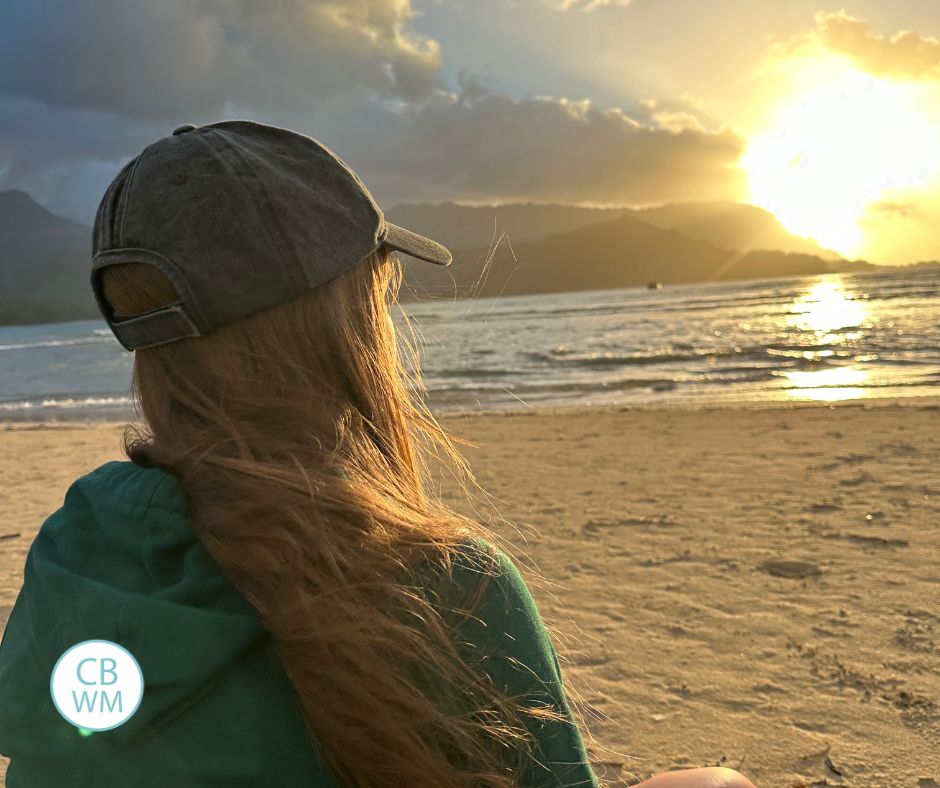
{"type": "Point", "coordinates": [403, 240]}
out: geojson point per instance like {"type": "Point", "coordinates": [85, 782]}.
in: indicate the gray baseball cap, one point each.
{"type": "Point", "coordinates": [240, 217]}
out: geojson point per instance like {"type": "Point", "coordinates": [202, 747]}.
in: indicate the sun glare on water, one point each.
{"type": "Point", "coordinates": [827, 309]}
{"type": "Point", "coordinates": [833, 317]}
{"type": "Point", "coordinates": [831, 152]}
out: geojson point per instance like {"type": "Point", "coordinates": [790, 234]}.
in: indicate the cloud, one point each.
{"type": "Point", "coordinates": [34, 135]}
{"type": "Point", "coordinates": [182, 60]}
{"type": "Point", "coordinates": [65, 158]}
{"type": "Point", "coordinates": [678, 115]}
{"type": "Point", "coordinates": [906, 55]}
{"type": "Point", "coordinates": [85, 85]}
{"type": "Point", "coordinates": [490, 147]}
{"type": "Point", "coordinates": [585, 5]}
{"type": "Point", "coordinates": [902, 228]}
{"type": "Point", "coordinates": [475, 144]}
{"type": "Point", "coordinates": [897, 208]}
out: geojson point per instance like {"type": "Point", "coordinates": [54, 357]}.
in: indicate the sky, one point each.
{"type": "Point", "coordinates": [825, 113]}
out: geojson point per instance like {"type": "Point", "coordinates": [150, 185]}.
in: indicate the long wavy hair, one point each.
{"type": "Point", "coordinates": [303, 445]}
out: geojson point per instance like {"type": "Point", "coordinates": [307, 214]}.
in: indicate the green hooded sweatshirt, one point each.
{"type": "Point", "coordinates": [119, 561]}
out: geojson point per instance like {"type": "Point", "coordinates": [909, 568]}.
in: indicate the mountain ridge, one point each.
{"type": "Point", "coordinates": [624, 252]}
{"type": "Point", "coordinates": [728, 225]}
{"type": "Point", "coordinates": [44, 258]}
{"type": "Point", "coordinates": [42, 279]}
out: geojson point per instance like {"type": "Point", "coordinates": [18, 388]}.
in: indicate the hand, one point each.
{"type": "Point", "coordinates": [708, 777]}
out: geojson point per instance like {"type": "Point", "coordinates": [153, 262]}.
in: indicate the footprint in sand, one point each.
{"type": "Point", "coordinates": [768, 688]}
{"type": "Point", "coordinates": [900, 449]}
{"type": "Point", "coordinates": [917, 710]}
{"type": "Point", "coordinates": [855, 481]}
{"type": "Point", "coordinates": [917, 634]}
{"type": "Point", "coordinates": [854, 459]}
{"type": "Point", "coordinates": [868, 541]}
{"type": "Point", "coordinates": [796, 570]}
{"type": "Point", "coordinates": [822, 508]}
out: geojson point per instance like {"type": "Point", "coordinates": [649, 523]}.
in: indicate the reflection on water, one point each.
{"type": "Point", "coordinates": [829, 395]}
{"type": "Point", "coordinates": [828, 384]}
{"type": "Point", "coordinates": [827, 306]}
{"type": "Point", "coordinates": [835, 316]}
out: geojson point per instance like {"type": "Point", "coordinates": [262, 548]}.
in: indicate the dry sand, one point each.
{"type": "Point", "coordinates": [753, 588]}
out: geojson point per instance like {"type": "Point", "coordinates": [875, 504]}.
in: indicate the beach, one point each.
{"type": "Point", "coordinates": [752, 587]}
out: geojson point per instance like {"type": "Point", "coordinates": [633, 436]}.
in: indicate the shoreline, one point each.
{"type": "Point", "coordinates": [919, 402]}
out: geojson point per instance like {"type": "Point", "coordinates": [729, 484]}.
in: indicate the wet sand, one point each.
{"type": "Point", "coordinates": [752, 588]}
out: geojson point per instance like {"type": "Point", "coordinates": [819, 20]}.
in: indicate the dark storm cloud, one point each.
{"type": "Point", "coordinates": [66, 157]}
{"type": "Point", "coordinates": [84, 86]}
{"type": "Point", "coordinates": [492, 147]}
{"type": "Point", "coordinates": [35, 136]}
{"type": "Point", "coordinates": [173, 58]}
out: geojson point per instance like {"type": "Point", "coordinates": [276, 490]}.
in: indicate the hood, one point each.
{"type": "Point", "coordinates": [119, 561]}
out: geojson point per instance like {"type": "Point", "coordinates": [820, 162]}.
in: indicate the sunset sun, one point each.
{"type": "Point", "coordinates": [831, 152]}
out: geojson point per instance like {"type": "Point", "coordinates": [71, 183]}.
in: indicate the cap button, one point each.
{"type": "Point", "coordinates": [183, 129]}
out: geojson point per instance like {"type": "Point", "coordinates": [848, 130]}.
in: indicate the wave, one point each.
{"type": "Point", "coordinates": [654, 386]}
{"type": "Point", "coordinates": [68, 402]}
{"type": "Point", "coordinates": [686, 298]}
{"type": "Point", "coordinates": [780, 355]}
{"type": "Point", "coordinates": [555, 388]}
{"type": "Point", "coordinates": [619, 307]}
{"type": "Point", "coordinates": [473, 372]}
{"type": "Point", "coordinates": [47, 343]}
{"type": "Point", "coordinates": [559, 358]}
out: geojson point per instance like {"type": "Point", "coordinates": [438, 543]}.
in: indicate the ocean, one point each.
{"type": "Point", "coordinates": [819, 338]}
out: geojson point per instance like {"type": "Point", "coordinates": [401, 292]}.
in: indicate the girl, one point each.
{"type": "Point", "coordinates": [304, 611]}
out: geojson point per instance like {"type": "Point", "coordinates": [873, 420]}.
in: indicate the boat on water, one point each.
{"type": "Point", "coordinates": [654, 285]}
